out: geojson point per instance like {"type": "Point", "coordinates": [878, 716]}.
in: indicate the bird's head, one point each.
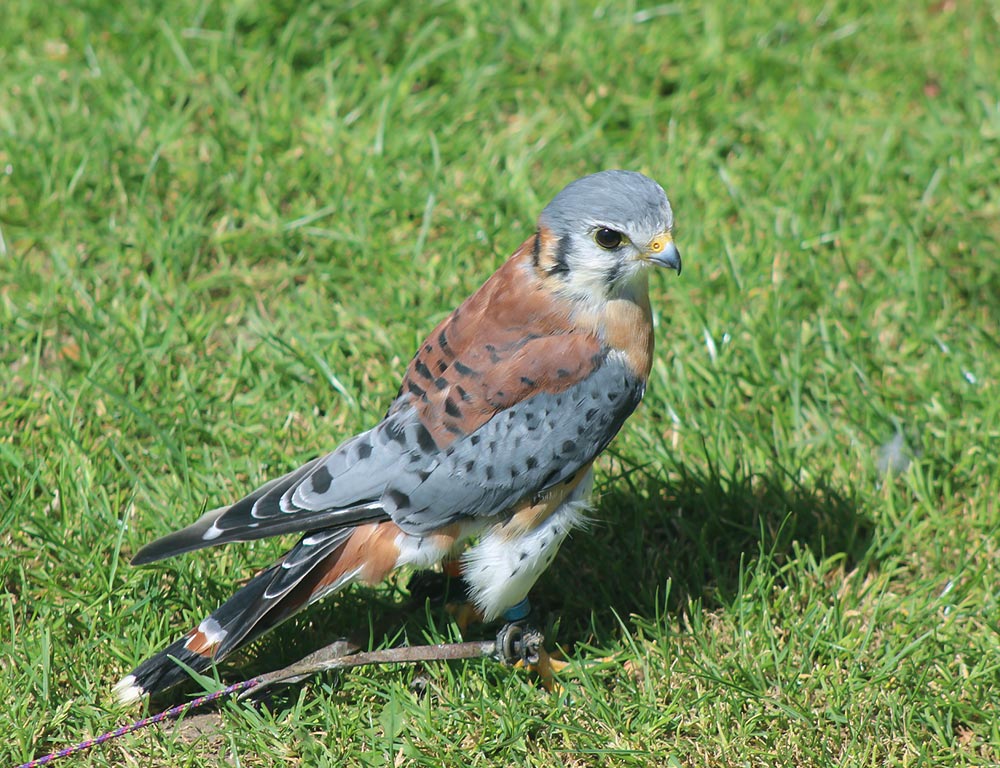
{"type": "Point", "coordinates": [605, 231]}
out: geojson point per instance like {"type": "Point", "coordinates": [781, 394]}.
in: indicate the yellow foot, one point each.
{"type": "Point", "coordinates": [546, 667]}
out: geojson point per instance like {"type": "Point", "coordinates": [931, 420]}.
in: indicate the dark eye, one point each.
{"type": "Point", "coordinates": [608, 238]}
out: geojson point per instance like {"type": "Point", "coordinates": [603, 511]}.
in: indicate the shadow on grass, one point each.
{"type": "Point", "coordinates": [692, 533]}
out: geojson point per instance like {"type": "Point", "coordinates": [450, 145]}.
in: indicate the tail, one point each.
{"type": "Point", "coordinates": [229, 627]}
{"type": "Point", "coordinates": [319, 564]}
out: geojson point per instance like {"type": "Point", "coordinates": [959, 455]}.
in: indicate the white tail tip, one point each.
{"type": "Point", "coordinates": [127, 692]}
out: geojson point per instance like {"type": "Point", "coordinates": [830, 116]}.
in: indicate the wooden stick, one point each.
{"type": "Point", "coordinates": [344, 655]}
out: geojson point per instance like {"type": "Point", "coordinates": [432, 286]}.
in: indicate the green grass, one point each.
{"type": "Point", "coordinates": [227, 227]}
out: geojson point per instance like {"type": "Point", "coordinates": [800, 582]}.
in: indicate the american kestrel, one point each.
{"type": "Point", "coordinates": [489, 443]}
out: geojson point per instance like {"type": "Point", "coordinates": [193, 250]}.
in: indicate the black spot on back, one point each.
{"type": "Point", "coordinates": [465, 370]}
{"type": "Point", "coordinates": [422, 370]}
{"type": "Point", "coordinates": [424, 439]}
{"type": "Point", "coordinates": [321, 478]}
{"type": "Point", "coordinates": [416, 389]}
{"type": "Point", "coordinates": [443, 343]}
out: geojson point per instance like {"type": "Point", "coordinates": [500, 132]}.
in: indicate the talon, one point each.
{"type": "Point", "coordinates": [556, 665]}
{"type": "Point", "coordinates": [547, 668]}
{"type": "Point", "coordinates": [530, 655]}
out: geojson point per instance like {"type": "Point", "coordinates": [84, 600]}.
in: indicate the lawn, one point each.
{"type": "Point", "coordinates": [226, 227]}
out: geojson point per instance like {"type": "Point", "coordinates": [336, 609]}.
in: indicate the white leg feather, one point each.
{"type": "Point", "coordinates": [501, 570]}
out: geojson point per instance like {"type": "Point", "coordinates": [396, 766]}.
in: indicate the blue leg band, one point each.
{"type": "Point", "coordinates": [518, 612]}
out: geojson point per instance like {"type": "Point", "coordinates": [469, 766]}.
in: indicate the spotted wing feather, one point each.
{"type": "Point", "coordinates": [340, 489]}
{"type": "Point", "coordinates": [527, 448]}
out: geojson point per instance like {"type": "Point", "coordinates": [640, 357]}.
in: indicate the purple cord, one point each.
{"type": "Point", "coordinates": [180, 709]}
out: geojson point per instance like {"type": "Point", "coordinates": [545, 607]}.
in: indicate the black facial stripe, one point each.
{"type": "Point", "coordinates": [614, 272]}
{"type": "Point", "coordinates": [561, 265]}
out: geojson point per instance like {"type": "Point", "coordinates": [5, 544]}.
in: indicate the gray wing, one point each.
{"type": "Point", "coordinates": [534, 445]}
{"type": "Point", "coordinates": [341, 489]}
{"type": "Point", "coordinates": [397, 471]}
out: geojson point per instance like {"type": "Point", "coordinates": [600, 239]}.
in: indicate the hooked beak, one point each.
{"type": "Point", "coordinates": [663, 252]}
